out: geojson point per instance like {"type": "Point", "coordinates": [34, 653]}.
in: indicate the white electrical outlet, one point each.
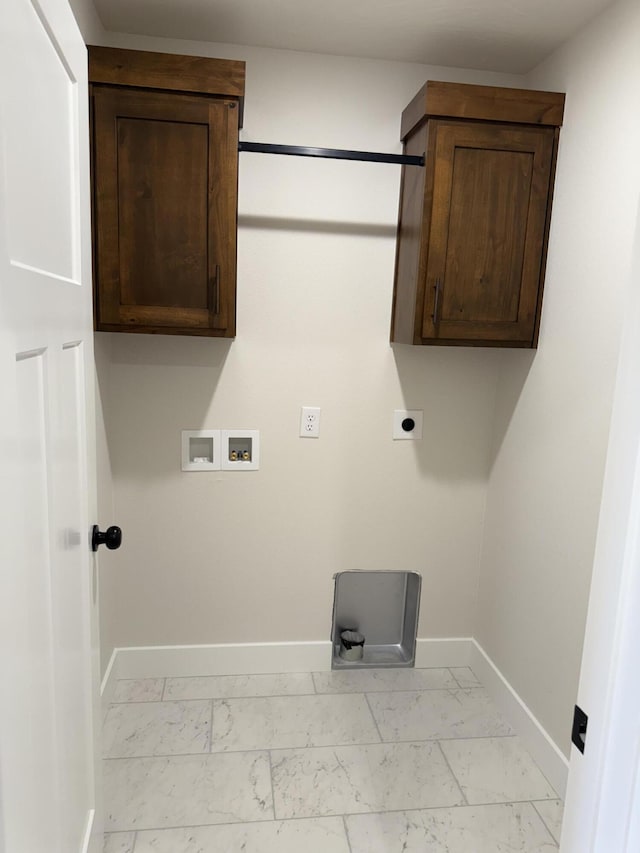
{"type": "Point", "coordinates": [309, 422]}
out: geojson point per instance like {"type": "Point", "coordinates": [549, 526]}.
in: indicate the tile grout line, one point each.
{"type": "Point", "coordinates": [296, 695]}
{"type": "Point", "coordinates": [542, 773]}
{"type": "Point", "coordinates": [373, 716]}
{"type": "Point", "coordinates": [240, 675]}
{"type": "Point", "coordinates": [453, 775]}
{"type": "Point", "coordinates": [290, 674]}
{"type": "Point", "coordinates": [321, 746]}
{"type": "Point", "coordinates": [451, 673]}
{"type": "Point", "coordinates": [325, 817]}
{"type": "Point", "coordinates": [387, 689]}
{"type": "Point", "coordinates": [544, 823]}
{"type": "Point", "coordinates": [331, 817]}
{"type": "Point", "coordinates": [346, 832]}
{"type": "Point", "coordinates": [315, 691]}
{"type": "Point", "coordinates": [292, 749]}
{"type": "Point", "coordinates": [273, 798]}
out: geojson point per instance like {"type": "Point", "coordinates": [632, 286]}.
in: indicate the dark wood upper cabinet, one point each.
{"type": "Point", "coordinates": [474, 221]}
{"type": "Point", "coordinates": [165, 178]}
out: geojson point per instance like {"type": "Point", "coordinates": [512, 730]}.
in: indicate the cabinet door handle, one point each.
{"type": "Point", "coordinates": [214, 292]}
{"type": "Point", "coordinates": [436, 302]}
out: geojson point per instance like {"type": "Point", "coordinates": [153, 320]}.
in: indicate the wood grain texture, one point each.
{"type": "Point", "coordinates": [487, 228]}
{"type": "Point", "coordinates": [487, 233]}
{"type": "Point", "coordinates": [162, 210]}
{"type": "Point", "coordinates": [154, 315]}
{"type": "Point", "coordinates": [223, 215]}
{"type": "Point", "coordinates": [165, 190]}
{"type": "Point", "coordinates": [168, 71]}
{"type": "Point", "coordinates": [414, 211]}
{"type": "Point", "coordinates": [482, 103]}
{"type": "Point", "coordinates": [547, 227]}
{"type": "Point", "coordinates": [473, 224]}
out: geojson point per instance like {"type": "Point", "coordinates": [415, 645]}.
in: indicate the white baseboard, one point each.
{"type": "Point", "coordinates": [257, 658]}
{"type": "Point", "coordinates": [443, 651]}
{"type": "Point", "coordinates": [224, 659]}
{"type": "Point", "coordinates": [536, 739]}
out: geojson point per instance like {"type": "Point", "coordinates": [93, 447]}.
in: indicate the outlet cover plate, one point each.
{"type": "Point", "coordinates": [200, 449]}
{"type": "Point", "coordinates": [400, 415]}
{"type": "Point", "coordinates": [309, 422]}
{"type": "Point", "coordinates": [247, 438]}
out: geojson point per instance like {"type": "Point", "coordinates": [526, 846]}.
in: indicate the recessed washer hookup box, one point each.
{"type": "Point", "coordinates": [383, 606]}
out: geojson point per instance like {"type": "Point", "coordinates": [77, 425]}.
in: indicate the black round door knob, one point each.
{"type": "Point", "coordinates": [111, 537]}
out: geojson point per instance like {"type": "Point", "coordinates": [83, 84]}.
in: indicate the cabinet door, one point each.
{"type": "Point", "coordinates": [165, 179]}
{"type": "Point", "coordinates": [487, 232]}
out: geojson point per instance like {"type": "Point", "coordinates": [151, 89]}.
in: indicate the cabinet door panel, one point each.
{"type": "Point", "coordinates": [165, 176]}
{"type": "Point", "coordinates": [487, 231]}
{"type": "Point", "coordinates": [162, 203]}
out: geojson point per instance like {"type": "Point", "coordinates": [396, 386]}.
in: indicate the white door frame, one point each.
{"type": "Point", "coordinates": [602, 813]}
{"type": "Point", "coordinates": [49, 691]}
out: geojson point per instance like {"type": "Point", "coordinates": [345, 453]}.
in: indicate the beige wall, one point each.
{"type": "Point", "coordinates": [88, 21]}
{"type": "Point", "coordinates": [552, 414]}
{"type": "Point", "coordinates": [232, 557]}
{"type": "Point", "coordinates": [249, 557]}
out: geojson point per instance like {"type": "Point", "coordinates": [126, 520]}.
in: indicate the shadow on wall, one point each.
{"type": "Point", "coordinates": [170, 350]}
{"type": "Point", "coordinates": [171, 398]}
{"type": "Point", "coordinates": [512, 378]}
{"type": "Point", "coordinates": [459, 389]}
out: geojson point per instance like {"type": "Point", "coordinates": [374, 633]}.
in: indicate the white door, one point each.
{"type": "Point", "coordinates": [602, 813]}
{"type": "Point", "coordinates": [47, 601]}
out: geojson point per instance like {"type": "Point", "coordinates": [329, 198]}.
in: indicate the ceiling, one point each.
{"type": "Point", "coordinates": [499, 35]}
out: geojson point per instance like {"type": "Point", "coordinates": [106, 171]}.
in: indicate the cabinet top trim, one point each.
{"type": "Point", "coordinates": [169, 71]}
{"type": "Point", "coordinates": [485, 103]}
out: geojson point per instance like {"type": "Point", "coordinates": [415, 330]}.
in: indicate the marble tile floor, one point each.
{"type": "Point", "coordinates": [378, 761]}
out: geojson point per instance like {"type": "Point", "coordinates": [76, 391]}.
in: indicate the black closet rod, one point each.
{"type": "Point", "coordinates": [331, 153]}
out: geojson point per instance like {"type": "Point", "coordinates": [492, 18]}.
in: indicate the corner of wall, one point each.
{"type": "Point", "coordinates": [88, 21]}
{"type": "Point", "coordinates": [553, 420]}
